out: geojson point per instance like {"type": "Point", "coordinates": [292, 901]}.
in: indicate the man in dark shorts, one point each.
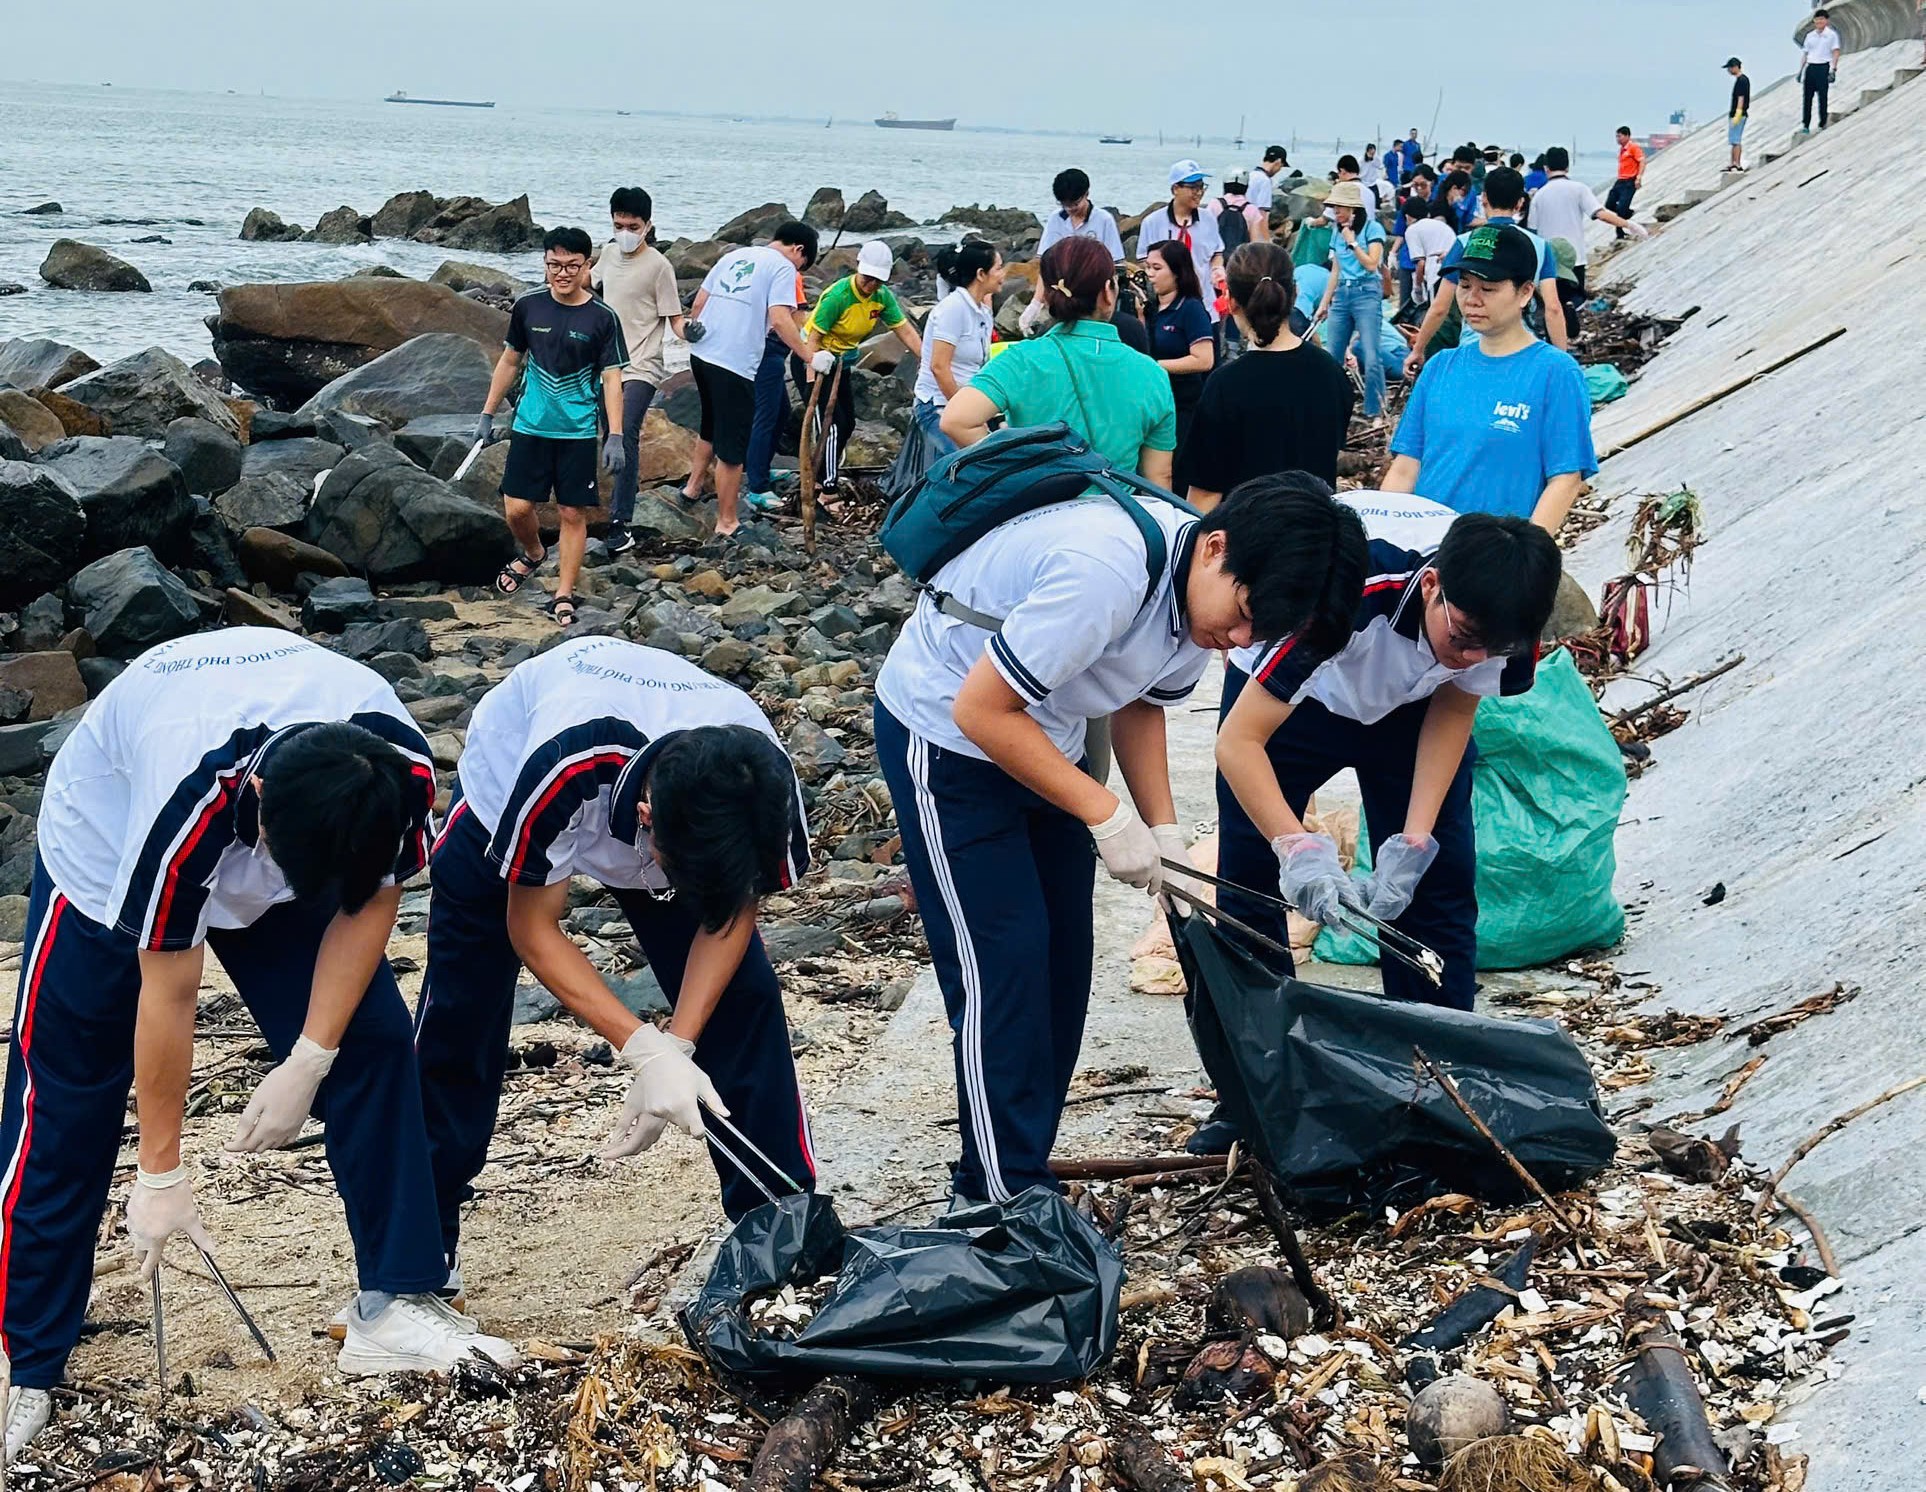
{"type": "Point", "coordinates": [572, 343]}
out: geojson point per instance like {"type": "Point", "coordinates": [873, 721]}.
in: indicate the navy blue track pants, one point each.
{"type": "Point", "coordinates": [1307, 751]}
{"type": "Point", "coordinates": [70, 1066]}
{"type": "Point", "coordinates": [1003, 880]}
{"type": "Point", "coordinates": [467, 1004]}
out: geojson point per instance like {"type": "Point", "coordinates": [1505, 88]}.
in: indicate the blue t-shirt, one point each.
{"type": "Point", "coordinates": [1490, 432]}
{"type": "Point", "coordinates": [1534, 179]}
{"type": "Point", "coordinates": [1174, 327]}
{"type": "Point", "coordinates": [1349, 265]}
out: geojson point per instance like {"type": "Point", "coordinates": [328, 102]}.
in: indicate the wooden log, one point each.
{"type": "Point", "coordinates": [800, 1446]}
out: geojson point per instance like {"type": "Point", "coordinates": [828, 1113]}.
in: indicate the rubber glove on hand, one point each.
{"type": "Point", "coordinates": [485, 430]}
{"type": "Point", "coordinates": [1312, 878]}
{"type": "Point", "coordinates": [1129, 850]}
{"type": "Point", "coordinates": [823, 362]}
{"type": "Point", "coordinates": [1402, 861]}
{"type": "Point", "coordinates": [160, 1206]}
{"type": "Point", "coordinates": [1638, 230]}
{"type": "Point", "coordinates": [1171, 846]}
{"type": "Point", "coordinates": [613, 456]}
{"type": "Point", "coordinates": [275, 1113]}
{"type": "Point", "coordinates": [693, 331]}
{"type": "Point", "coordinates": [668, 1088]}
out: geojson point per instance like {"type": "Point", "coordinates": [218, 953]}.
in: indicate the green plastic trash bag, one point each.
{"type": "Point", "coordinates": [1604, 383]}
{"type": "Point", "coordinates": [1546, 793]}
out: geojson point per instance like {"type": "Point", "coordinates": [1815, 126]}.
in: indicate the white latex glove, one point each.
{"type": "Point", "coordinates": [1171, 846]}
{"type": "Point", "coordinates": [823, 361]}
{"type": "Point", "coordinates": [275, 1113]}
{"type": "Point", "coordinates": [159, 1207]}
{"type": "Point", "coordinates": [1312, 878]}
{"type": "Point", "coordinates": [668, 1088]}
{"type": "Point", "coordinates": [1129, 850]}
{"type": "Point", "coordinates": [1638, 230]}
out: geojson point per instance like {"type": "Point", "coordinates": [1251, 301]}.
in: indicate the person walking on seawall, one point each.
{"type": "Point", "coordinates": [573, 343]}
{"type": "Point", "coordinates": [980, 734]}
{"type": "Point", "coordinates": [1413, 152]}
{"type": "Point", "coordinates": [1371, 169]}
{"type": "Point", "coordinates": [1078, 217]}
{"type": "Point", "coordinates": [1181, 218]}
{"type": "Point", "coordinates": [249, 792]}
{"type": "Point", "coordinates": [638, 284]}
{"type": "Point", "coordinates": [1563, 208]}
{"type": "Point", "coordinates": [846, 314]}
{"type": "Point", "coordinates": [1503, 426]}
{"type": "Point", "coordinates": [1741, 107]}
{"type": "Point", "coordinates": [1354, 298]}
{"type": "Point", "coordinates": [956, 338]}
{"type": "Point", "coordinates": [1631, 175]}
{"type": "Point", "coordinates": [1261, 190]}
{"type": "Point", "coordinates": [1427, 239]}
{"type": "Point", "coordinates": [1284, 406]}
{"type": "Point", "coordinates": [1419, 190]}
{"type": "Point", "coordinates": [630, 767]}
{"type": "Point", "coordinates": [748, 295]}
{"type": "Point", "coordinates": [1819, 54]}
{"type": "Point", "coordinates": [1181, 342]}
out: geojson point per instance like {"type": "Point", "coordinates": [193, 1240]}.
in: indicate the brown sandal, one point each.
{"type": "Point", "coordinates": [516, 573]}
{"type": "Point", "coordinates": [562, 608]}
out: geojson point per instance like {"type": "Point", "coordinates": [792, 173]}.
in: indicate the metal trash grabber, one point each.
{"type": "Point", "coordinates": [234, 1300]}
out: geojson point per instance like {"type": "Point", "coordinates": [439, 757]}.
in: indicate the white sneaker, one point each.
{"type": "Point", "coordinates": [451, 1293]}
{"type": "Point", "coordinates": [28, 1410]}
{"type": "Point", "coordinates": [417, 1334]}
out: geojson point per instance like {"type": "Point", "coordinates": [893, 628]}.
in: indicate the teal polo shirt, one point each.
{"type": "Point", "coordinates": [1082, 374]}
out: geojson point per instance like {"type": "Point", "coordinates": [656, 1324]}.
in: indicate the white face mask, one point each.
{"type": "Point", "coordinates": [626, 241]}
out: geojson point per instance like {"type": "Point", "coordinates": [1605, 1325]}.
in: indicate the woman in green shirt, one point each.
{"type": "Point", "coordinates": [1078, 372]}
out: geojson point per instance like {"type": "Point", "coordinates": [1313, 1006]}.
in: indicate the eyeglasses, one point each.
{"type": "Point", "coordinates": [564, 268]}
{"type": "Point", "coordinates": [1470, 642]}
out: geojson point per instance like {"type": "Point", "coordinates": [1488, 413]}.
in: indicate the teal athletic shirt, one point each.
{"type": "Point", "coordinates": [564, 351]}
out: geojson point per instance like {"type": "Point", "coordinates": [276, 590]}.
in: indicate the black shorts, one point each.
{"type": "Point", "coordinates": [728, 410]}
{"type": "Point", "coordinates": [541, 465]}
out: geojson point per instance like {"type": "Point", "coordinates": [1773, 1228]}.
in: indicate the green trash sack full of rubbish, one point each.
{"type": "Point", "coordinates": [1605, 383]}
{"type": "Point", "coordinates": [1546, 793]}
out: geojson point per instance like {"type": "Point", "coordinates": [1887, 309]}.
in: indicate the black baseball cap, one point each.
{"type": "Point", "coordinates": [1733, 62]}
{"type": "Point", "coordinates": [1499, 251]}
{"type": "Point", "coordinates": [1276, 153]}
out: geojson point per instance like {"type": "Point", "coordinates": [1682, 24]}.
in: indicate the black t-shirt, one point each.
{"type": "Point", "coordinates": [567, 348]}
{"type": "Point", "coordinates": [1268, 412]}
{"type": "Point", "coordinates": [1741, 96]}
{"type": "Point", "coordinates": [1173, 329]}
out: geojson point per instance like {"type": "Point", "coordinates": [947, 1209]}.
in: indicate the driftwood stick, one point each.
{"type": "Point", "coordinates": [1819, 1240]}
{"type": "Point", "coordinates": [1517, 1166]}
{"type": "Point", "coordinates": [801, 1445]}
{"type": "Point", "coordinates": [1116, 1168]}
{"type": "Point", "coordinates": [1676, 690]}
{"type": "Point", "coordinates": [1726, 390]}
{"type": "Point", "coordinates": [806, 454]}
{"type": "Point", "coordinates": [1829, 1128]}
{"type": "Point", "coordinates": [1324, 1310]}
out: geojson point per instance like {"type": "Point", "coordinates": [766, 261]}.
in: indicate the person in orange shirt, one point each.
{"type": "Point", "coordinates": [1631, 175]}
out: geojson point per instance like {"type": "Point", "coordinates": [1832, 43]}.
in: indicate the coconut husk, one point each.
{"type": "Point", "coordinates": [1353, 1473]}
{"type": "Point", "coordinates": [1514, 1463]}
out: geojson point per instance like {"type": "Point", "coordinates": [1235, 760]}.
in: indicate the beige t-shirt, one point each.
{"type": "Point", "coordinates": [640, 289]}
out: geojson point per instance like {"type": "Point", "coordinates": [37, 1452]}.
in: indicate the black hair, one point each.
{"type": "Point", "coordinates": [336, 804]}
{"type": "Point", "coordinates": [1428, 171]}
{"type": "Point", "coordinates": [965, 261]}
{"type": "Point", "coordinates": [1417, 209]}
{"type": "Point", "coordinates": [1263, 285]}
{"type": "Point", "coordinates": [1072, 274]}
{"type": "Point", "coordinates": [1371, 149]}
{"type": "Point", "coordinates": [800, 235]}
{"type": "Point", "coordinates": [1348, 163]}
{"type": "Point", "coordinates": [1626, 129]}
{"type": "Point", "coordinates": [722, 807]}
{"type": "Point", "coordinates": [1516, 160]}
{"type": "Point", "coordinates": [1502, 572]}
{"type": "Point", "coordinates": [1299, 552]}
{"type": "Point", "coordinates": [1071, 185]}
{"type": "Point", "coordinates": [1818, 13]}
{"type": "Point", "coordinates": [569, 241]}
{"type": "Point", "coordinates": [1558, 158]}
{"type": "Point", "coordinates": [1456, 180]}
{"type": "Point", "coordinates": [1182, 268]}
{"type": "Point", "coordinates": [1276, 153]}
{"type": "Point", "coordinates": [1538, 161]}
{"type": "Point", "coordinates": [632, 202]}
{"type": "Point", "coordinates": [1504, 188]}
{"type": "Point", "coordinates": [1466, 153]}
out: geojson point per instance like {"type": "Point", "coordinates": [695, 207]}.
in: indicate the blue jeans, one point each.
{"type": "Point", "coordinates": [1358, 306]}
{"type": "Point", "coordinates": [772, 410]}
{"type": "Point", "coordinates": [637, 395]}
{"type": "Point", "coordinates": [929, 419]}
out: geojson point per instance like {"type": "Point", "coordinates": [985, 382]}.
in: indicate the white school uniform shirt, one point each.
{"type": "Point", "coordinates": [1078, 639]}
{"type": "Point", "coordinates": [558, 753]}
{"type": "Point", "coordinates": [1821, 46]}
{"type": "Point", "coordinates": [964, 322]}
{"type": "Point", "coordinates": [1205, 241]}
{"type": "Point", "coordinates": [743, 288]}
{"type": "Point", "coordinates": [1260, 191]}
{"type": "Point", "coordinates": [1100, 225]}
{"type": "Point", "coordinates": [150, 823]}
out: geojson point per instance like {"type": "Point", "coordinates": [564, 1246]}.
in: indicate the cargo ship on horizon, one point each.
{"type": "Point", "coordinates": [894, 121]}
{"type": "Point", "coordinates": [398, 97]}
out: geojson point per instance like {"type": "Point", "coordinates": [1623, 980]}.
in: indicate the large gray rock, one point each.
{"type": "Point", "coordinates": [42, 363]}
{"type": "Point", "coordinates": [387, 518]}
{"type": "Point", "coordinates": [270, 500]}
{"type": "Point", "coordinates": [403, 215]}
{"type": "Point", "coordinates": [301, 457]}
{"type": "Point", "coordinates": [825, 209]}
{"type": "Point", "coordinates": [460, 276]}
{"type": "Point", "coordinates": [440, 373]}
{"type": "Point", "coordinates": [132, 495]}
{"type": "Point", "coordinates": [343, 225]}
{"type": "Point", "coordinates": [43, 531]}
{"type": "Point", "coordinates": [144, 394]}
{"type": "Point", "coordinates": [870, 213]}
{"type": "Point", "coordinates": [439, 442]}
{"type": "Point", "coordinates": [20, 747]}
{"type": "Point", "coordinates": [335, 604]}
{"type": "Point", "coordinates": [130, 602]}
{"type": "Point", "coordinates": [288, 342]}
{"type": "Point", "coordinates": [470, 223]}
{"type": "Point", "coordinates": [208, 456]}
{"type": "Point", "coordinates": [757, 222]}
{"type": "Point", "coordinates": [263, 225]}
{"type": "Point", "coordinates": [693, 258]}
{"type": "Point", "coordinates": [72, 265]}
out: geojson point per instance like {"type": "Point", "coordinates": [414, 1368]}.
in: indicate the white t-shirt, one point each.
{"type": "Point", "coordinates": [965, 323]}
{"type": "Point", "coordinates": [1100, 225]}
{"type": "Point", "coordinates": [558, 753]}
{"type": "Point", "coordinates": [1204, 242]}
{"type": "Point", "coordinates": [1563, 208]}
{"type": "Point", "coordinates": [1078, 641]}
{"type": "Point", "coordinates": [1820, 46]}
{"type": "Point", "coordinates": [742, 289]}
{"type": "Point", "coordinates": [1261, 190]}
{"type": "Point", "coordinates": [1429, 240]}
{"type": "Point", "coordinates": [151, 824]}
{"type": "Point", "coordinates": [640, 288]}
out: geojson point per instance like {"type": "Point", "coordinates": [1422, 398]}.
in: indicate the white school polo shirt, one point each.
{"type": "Point", "coordinates": [558, 752]}
{"type": "Point", "coordinates": [1078, 639]}
{"type": "Point", "coordinates": [151, 824]}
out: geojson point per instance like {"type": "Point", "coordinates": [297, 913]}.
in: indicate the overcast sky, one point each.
{"type": "Point", "coordinates": [1561, 70]}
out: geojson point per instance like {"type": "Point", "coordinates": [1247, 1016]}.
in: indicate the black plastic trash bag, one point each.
{"type": "Point", "coordinates": [913, 457]}
{"type": "Point", "coordinates": [1024, 1292]}
{"type": "Point", "coordinates": [1325, 1084]}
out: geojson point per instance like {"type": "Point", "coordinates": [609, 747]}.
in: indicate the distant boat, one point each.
{"type": "Point", "coordinates": [1113, 139]}
{"type": "Point", "coordinates": [398, 97]}
{"type": "Point", "coordinates": [621, 113]}
{"type": "Point", "coordinates": [894, 121]}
